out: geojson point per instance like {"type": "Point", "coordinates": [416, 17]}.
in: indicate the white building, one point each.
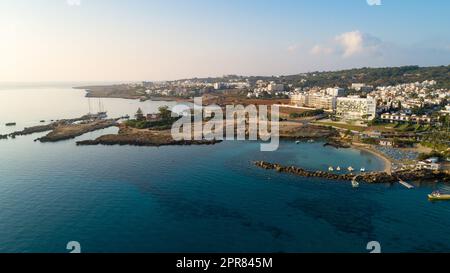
{"type": "Point", "coordinates": [219, 85]}
{"type": "Point", "coordinates": [355, 108]}
{"type": "Point", "coordinates": [361, 87]}
{"type": "Point", "coordinates": [402, 117]}
{"type": "Point", "coordinates": [314, 100]}
{"type": "Point", "coordinates": [335, 91]}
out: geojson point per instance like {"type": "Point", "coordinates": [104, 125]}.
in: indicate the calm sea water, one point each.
{"type": "Point", "coordinates": [193, 199]}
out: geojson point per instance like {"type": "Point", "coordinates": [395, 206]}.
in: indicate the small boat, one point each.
{"type": "Point", "coordinates": [102, 115]}
{"type": "Point", "coordinates": [338, 168]}
{"type": "Point", "coordinates": [331, 169]}
{"type": "Point", "coordinates": [350, 169]}
{"type": "Point", "coordinates": [297, 142]}
{"type": "Point", "coordinates": [363, 170]}
{"type": "Point", "coordinates": [311, 140]}
{"type": "Point", "coordinates": [355, 184]}
{"type": "Point", "coordinates": [11, 124]}
{"type": "Point", "coordinates": [437, 196]}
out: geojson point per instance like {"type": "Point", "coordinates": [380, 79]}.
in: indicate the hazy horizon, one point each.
{"type": "Point", "coordinates": [89, 82]}
{"type": "Point", "coordinates": [131, 41]}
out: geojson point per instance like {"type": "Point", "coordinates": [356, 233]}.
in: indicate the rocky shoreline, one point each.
{"type": "Point", "coordinates": [143, 142]}
{"type": "Point", "coordinates": [142, 137]}
{"type": "Point", "coordinates": [52, 126]}
{"type": "Point", "coordinates": [372, 177]}
{"type": "Point", "coordinates": [65, 132]}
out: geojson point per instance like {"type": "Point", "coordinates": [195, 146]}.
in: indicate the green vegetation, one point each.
{"type": "Point", "coordinates": [438, 141]}
{"type": "Point", "coordinates": [425, 156]}
{"type": "Point", "coordinates": [371, 141]}
{"type": "Point", "coordinates": [374, 76]}
{"type": "Point", "coordinates": [310, 113]}
{"type": "Point", "coordinates": [370, 76]}
{"type": "Point", "coordinates": [343, 126]}
{"type": "Point", "coordinates": [403, 142]}
{"type": "Point", "coordinates": [164, 121]}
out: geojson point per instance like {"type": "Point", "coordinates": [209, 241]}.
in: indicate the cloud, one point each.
{"type": "Point", "coordinates": [350, 44]}
{"type": "Point", "coordinates": [73, 2]}
{"type": "Point", "coordinates": [374, 2]}
{"type": "Point", "coordinates": [356, 43]}
{"type": "Point", "coordinates": [321, 50]}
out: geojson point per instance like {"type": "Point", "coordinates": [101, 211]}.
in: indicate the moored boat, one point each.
{"type": "Point", "coordinates": [437, 196]}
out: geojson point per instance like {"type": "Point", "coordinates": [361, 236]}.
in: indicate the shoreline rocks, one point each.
{"type": "Point", "coordinates": [144, 142]}
{"type": "Point", "coordinates": [372, 177]}
{"type": "Point", "coordinates": [337, 144]}
{"type": "Point", "coordinates": [64, 132]}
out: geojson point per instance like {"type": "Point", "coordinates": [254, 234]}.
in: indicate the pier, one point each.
{"type": "Point", "coordinates": [407, 185]}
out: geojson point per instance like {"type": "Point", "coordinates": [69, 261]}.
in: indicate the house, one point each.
{"type": "Point", "coordinates": [387, 142]}
{"type": "Point", "coordinates": [153, 117]}
{"type": "Point", "coordinates": [429, 164]}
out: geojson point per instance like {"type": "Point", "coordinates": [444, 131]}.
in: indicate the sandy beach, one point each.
{"type": "Point", "coordinates": [387, 161]}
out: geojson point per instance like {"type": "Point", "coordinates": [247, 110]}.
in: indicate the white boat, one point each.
{"type": "Point", "coordinates": [363, 170]}
{"type": "Point", "coordinates": [297, 142]}
{"type": "Point", "coordinates": [355, 184]}
{"type": "Point", "coordinates": [330, 169]}
{"type": "Point", "coordinates": [350, 169]}
{"type": "Point", "coordinates": [338, 168]}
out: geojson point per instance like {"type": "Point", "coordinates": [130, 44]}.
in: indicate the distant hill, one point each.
{"type": "Point", "coordinates": [374, 76]}
{"type": "Point", "coordinates": [344, 78]}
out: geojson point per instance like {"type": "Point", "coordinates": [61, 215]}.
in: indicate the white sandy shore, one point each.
{"type": "Point", "coordinates": [387, 161]}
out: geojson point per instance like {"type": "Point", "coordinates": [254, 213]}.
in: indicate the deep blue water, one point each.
{"type": "Point", "coordinates": [191, 199]}
{"type": "Point", "coordinates": [203, 199]}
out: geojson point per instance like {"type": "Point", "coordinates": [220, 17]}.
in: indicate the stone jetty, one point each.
{"type": "Point", "coordinates": [69, 131]}
{"type": "Point", "coordinates": [371, 177]}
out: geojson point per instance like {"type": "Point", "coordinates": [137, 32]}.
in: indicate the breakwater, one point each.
{"type": "Point", "coordinates": [371, 177]}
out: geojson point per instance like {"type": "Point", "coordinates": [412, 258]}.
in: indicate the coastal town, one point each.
{"type": "Point", "coordinates": [400, 113]}
{"type": "Point", "coordinates": [406, 124]}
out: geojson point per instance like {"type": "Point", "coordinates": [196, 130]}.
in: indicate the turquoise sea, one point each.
{"type": "Point", "coordinates": [193, 198]}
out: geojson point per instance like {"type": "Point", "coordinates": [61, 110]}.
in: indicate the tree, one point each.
{"type": "Point", "coordinates": [165, 113]}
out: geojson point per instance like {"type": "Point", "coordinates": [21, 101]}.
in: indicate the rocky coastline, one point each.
{"type": "Point", "coordinates": [143, 137]}
{"type": "Point", "coordinates": [108, 141]}
{"type": "Point", "coordinates": [70, 131]}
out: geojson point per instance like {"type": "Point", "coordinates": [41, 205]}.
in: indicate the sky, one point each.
{"type": "Point", "coordinates": [135, 40]}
